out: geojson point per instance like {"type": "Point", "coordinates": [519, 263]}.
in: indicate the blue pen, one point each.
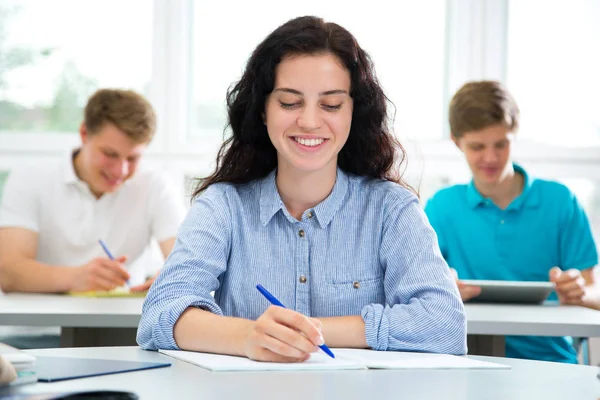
{"type": "Point", "coordinates": [108, 253]}
{"type": "Point", "coordinates": [276, 302]}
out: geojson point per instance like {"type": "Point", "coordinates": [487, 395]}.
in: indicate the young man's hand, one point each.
{"type": "Point", "coordinates": [144, 286]}
{"type": "Point", "coordinates": [467, 292]}
{"type": "Point", "coordinates": [100, 274]}
{"type": "Point", "coordinates": [569, 285]}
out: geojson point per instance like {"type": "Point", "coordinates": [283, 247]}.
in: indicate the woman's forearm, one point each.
{"type": "Point", "coordinates": [200, 330]}
{"type": "Point", "coordinates": [344, 332]}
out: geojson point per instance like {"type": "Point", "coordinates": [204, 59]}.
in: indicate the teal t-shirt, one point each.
{"type": "Point", "coordinates": [543, 227]}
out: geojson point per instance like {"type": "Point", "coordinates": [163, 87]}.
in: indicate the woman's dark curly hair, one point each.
{"type": "Point", "coordinates": [371, 150]}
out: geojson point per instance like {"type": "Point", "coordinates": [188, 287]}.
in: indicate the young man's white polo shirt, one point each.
{"type": "Point", "coordinates": [51, 200]}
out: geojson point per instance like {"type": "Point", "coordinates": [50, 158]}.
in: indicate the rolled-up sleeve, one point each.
{"type": "Point", "coordinates": [423, 310]}
{"type": "Point", "coordinates": [191, 271]}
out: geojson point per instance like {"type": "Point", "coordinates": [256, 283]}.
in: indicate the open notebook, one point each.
{"type": "Point", "coordinates": [345, 359]}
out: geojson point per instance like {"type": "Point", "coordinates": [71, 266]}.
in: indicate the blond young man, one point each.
{"type": "Point", "coordinates": [52, 216]}
{"type": "Point", "coordinates": [506, 225]}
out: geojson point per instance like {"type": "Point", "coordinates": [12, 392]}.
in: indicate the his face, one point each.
{"type": "Point", "coordinates": [108, 158]}
{"type": "Point", "coordinates": [309, 113]}
{"type": "Point", "coordinates": [488, 153]}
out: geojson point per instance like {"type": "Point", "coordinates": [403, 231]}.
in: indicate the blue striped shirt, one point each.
{"type": "Point", "coordinates": [367, 250]}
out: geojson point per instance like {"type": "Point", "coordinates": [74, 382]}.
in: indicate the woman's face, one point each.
{"type": "Point", "coordinates": [309, 112]}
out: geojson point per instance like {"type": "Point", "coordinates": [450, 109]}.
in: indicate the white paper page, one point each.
{"type": "Point", "coordinates": [216, 362]}
{"type": "Point", "coordinates": [405, 360]}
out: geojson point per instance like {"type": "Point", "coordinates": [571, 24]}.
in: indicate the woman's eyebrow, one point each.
{"type": "Point", "coordinates": [299, 93]}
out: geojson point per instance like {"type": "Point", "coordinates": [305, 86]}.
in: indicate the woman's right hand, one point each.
{"type": "Point", "coordinates": [283, 335]}
{"type": "Point", "coordinates": [467, 292]}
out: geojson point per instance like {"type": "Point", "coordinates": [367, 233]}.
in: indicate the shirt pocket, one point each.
{"type": "Point", "coordinates": [352, 269]}
{"type": "Point", "coordinates": [349, 298]}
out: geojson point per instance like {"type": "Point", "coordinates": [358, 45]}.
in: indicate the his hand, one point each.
{"type": "Point", "coordinates": [467, 292]}
{"type": "Point", "coordinates": [144, 286]}
{"type": "Point", "coordinates": [100, 274]}
{"type": "Point", "coordinates": [569, 285]}
{"type": "Point", "coordinates": [283, 335]}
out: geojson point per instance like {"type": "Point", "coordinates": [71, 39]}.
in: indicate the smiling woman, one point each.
{"type": "Point", "coordinates": [307, 125]}
{"type": "Point", "coordinates": [305, 199]}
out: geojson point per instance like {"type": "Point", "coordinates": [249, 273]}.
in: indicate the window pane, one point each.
{"type": "Point", "coordinates": [54, 54]}
{"type": "Point", "coordinates": [3, 177]}
{"type": "Point", "coordinates": [405, 40]}
{"type": "Point", "coordinates": [553, 64]}
{"type": "Point", "coordinates": [588, 194]}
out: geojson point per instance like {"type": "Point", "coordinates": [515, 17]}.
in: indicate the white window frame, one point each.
{"type": "Point", "coordinates": [477, 32]}
{"type": "Point", "coordinates": [476, 49]}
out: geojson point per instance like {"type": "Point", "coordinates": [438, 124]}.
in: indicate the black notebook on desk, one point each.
{"type": "Point", "coordinates": [53, 369]}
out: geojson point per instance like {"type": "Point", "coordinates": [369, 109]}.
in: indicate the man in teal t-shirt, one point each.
{"type": "Point", "coordinates": [505, 225]}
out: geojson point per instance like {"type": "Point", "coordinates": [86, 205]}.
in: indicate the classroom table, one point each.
{"type": "Point", "coordinates": [487, 324]}
{"type": "Point", "coordinates": [113, 321]}
{"type": "Point", "coordinates": [525, 381]}
{"type": "Point", "coordinates": [83, 321]}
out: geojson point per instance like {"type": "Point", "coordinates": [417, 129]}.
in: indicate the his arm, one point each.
{"type": "Point", "coordinates": [578, 283]}
{"type": "Point", "coordinates": [167, 213]}
{"type": "Point", "coordinates": [165, 247]}
{"type": "Point", "coordinates": [20, 272]}
{"type": "Point", "coordinates": [576, 287]}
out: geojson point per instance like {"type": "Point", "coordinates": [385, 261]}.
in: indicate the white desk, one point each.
{"type": "Point", "coordinates": [548, 319]}
{"type": "Point", "coordinates": [113, 321]}
{"type": "Point", "coordinates": [83, 321]}
{"type": "Point", "coordinates": [525, 381]}
{"type": "Point", "coordinates": [489, 323]}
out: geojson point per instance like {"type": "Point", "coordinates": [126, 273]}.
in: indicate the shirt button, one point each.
{"type": "Point", "coordinates": [356, 285]}
{"type": "Point", "coordinates": [309, 215]}
{"type": "Point", "coordinates": [301, 233]}
{"type": "Point", "coordinates": [302, 279]}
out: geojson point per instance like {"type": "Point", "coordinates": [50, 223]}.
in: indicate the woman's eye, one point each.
{"type": "Point", "coordinates": [288, 105]}
{"type": "Point", "coordinates": [329, 107]}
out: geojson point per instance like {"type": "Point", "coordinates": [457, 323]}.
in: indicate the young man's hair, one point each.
{"type": "Point", "coordinates": [126, 109]}
{"type": "Point", "coordinates": [479, 105]}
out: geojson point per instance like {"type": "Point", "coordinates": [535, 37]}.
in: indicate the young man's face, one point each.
{"type": "Point", "coordinates": [488, 153]}
{"type": "Point", "coordinates": [108, 158]}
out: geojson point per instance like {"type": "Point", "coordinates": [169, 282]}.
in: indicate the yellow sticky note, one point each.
{"type": "Point", "coordinates": [118, 292]}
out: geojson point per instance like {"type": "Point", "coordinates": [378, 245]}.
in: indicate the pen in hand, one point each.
{"type": "Point", "coordinates": [273, 300]}
{"type": "Point", "coordinates": [109, 254]}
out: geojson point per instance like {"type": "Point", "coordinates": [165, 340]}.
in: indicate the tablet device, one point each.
{"type": "Point", "coordinates": [511, 291]}
{"type": "Point", "coordinates": [53, 369]}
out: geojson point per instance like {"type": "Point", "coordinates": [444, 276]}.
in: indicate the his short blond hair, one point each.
{"type": "Point", "coordinates": [126, 109]}
{"type": "Point", "coordinates": [481, 104]}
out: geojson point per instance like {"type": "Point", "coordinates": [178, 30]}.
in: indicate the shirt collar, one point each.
{"type": "Point", "coordinates": [271, 203]}
{"type": "Point", "coordinates": [69, 175]}
{"type": "Point", "coordinates": [528, 198]}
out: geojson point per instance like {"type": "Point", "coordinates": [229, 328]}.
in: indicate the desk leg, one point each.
{"type": "Point", "coordinates": [97, 337]}
{"type": "Point", "coordinates": [486, 345]}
